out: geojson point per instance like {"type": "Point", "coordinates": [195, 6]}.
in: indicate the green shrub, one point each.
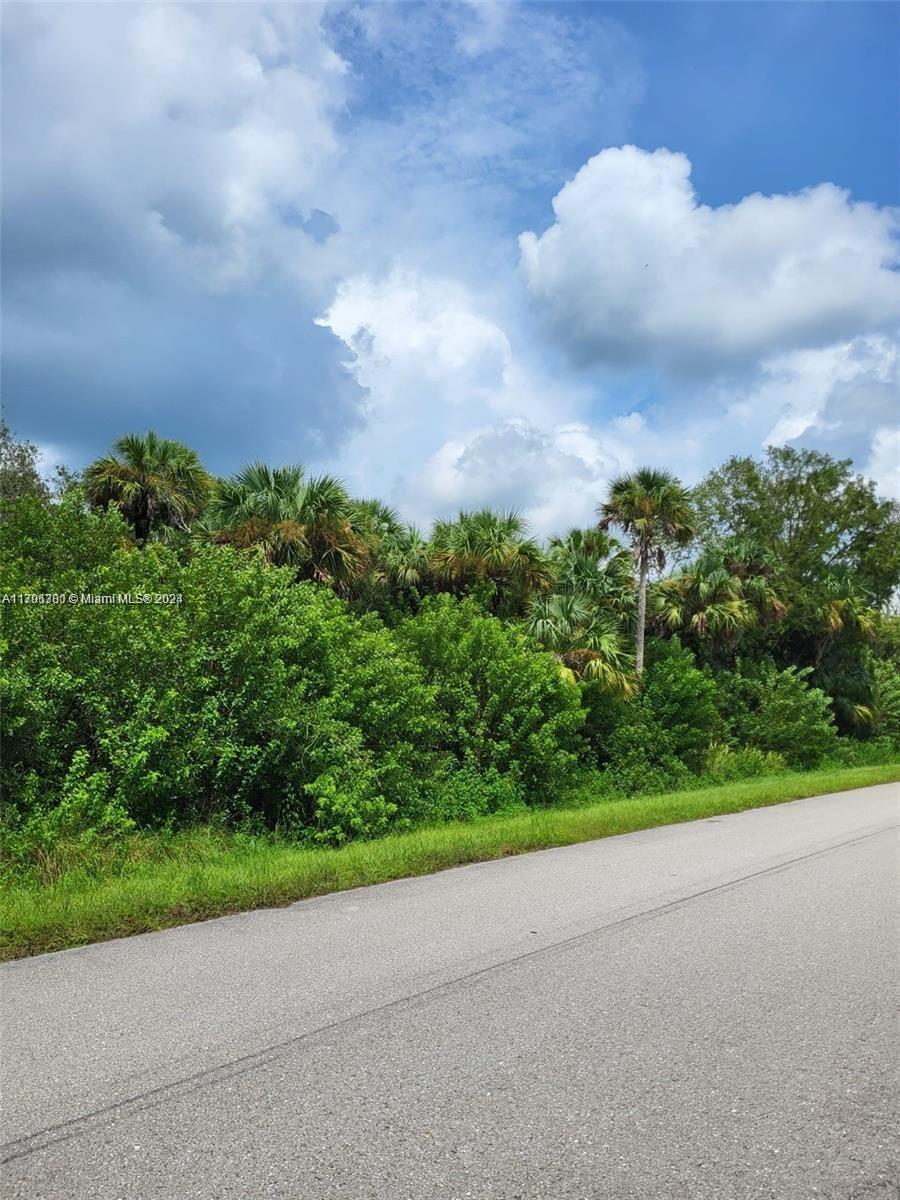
{"type": "Point", "coordinates": [887, 698]}
{"type": "Point", "coordinates": [465, 793]}
{"type": "Point", "coordinates": [726, 763]}
{"type": "Point", "coordinates": [661, 737]}
{"type": "Point", "coordinates": [82, 819]}
{"type": "Point", "coordinates": [777, 710]}
{"type": "Point", "coordinates": [254, 700]}
{"type": "Point", "coordinates": [874, 752]}
{"type": "Point", "coordinates": [506, 706]}
{"type": "Point", "coordinates": [603, 711]}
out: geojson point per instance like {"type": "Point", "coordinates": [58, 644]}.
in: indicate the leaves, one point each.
{"type": "Point", "coordinates": [154, 482]}
{"type": "Point", "coordinates": [585, 640]}
{"type": "Point", "coordinates": [727, 591]}
{"type": "Point", "coordinates": [653, 509]}
{"type": "Point", "coordinates": [297, 521]}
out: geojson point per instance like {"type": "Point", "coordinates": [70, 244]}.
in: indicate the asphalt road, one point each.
{"type": "Point", "coordinates": [700, 1012]}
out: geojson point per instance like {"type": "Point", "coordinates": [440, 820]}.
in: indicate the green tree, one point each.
{"type": "Point", "coordinates": [777, 711]}
{"type": "Point", "coordinates": [654, 510]}
{"type": "Point", "coordinates": [814, 514]}
{"type": "Point", "coordinates": [154, 482]}
{"type": "Point", "coordinates": [834, 545]}
{"type": "Point", "coordinates": [661, 738]}
{"type": "Point", "coordinates": [20, 475]}
{"type": "Point", "coordinates": [716, 600]}
{"type": "Point", "coordinates": [298, 521]}
{"type": "Point", "coordinates": [492, 553]}
{"type": "Point", "coordinates": [507, 709]}
{"type": "Point", "coordinates": [886, 709]}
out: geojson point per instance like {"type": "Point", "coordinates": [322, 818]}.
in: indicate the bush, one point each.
{"type": "Point", "coordinates": [603, 712]}
{"type": "Point", "coordinates": [778, 711]}
{"type": "Point", "coordinates": [253, 700]}
{"type": "Point", "coordinates": [508, 711]}
{"type": "Point", "coordinates": [661, 737]}
{"type": "Point", "coordinates": [725, 763]}
{"type": "Point", "coordinates": [465, 793]}
{"type": "Point", "coordinates": [874, 752]}
{"type": "Point", "coordinates": [83, 820]}
{"type": "Point", "coordinates": [887, 698]}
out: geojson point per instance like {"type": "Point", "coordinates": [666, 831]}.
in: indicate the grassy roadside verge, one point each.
{"type": "Point", "coordinates": [202, 874]}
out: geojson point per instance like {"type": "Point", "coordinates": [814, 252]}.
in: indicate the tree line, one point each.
{"type": "Point", "coordinates": [738, 626]}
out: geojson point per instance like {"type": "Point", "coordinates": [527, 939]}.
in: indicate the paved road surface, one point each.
{"type": "Point", "coordinates": [701, 1012]}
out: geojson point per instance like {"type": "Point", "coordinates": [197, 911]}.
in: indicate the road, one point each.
{"type": "Point", "coordinates": [699, 1012]}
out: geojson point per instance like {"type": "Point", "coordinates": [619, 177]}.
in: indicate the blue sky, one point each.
{"type": "Point", "coordinates": [457, 253]}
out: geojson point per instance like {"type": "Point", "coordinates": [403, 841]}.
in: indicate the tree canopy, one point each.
{"type": "Point", "coordinates": [154, 482]}
{"type": "Point", "coordinates": [320, 668]}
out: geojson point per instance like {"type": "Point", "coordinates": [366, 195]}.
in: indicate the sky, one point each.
{"type": "Point", "coordinates": [458, 254]}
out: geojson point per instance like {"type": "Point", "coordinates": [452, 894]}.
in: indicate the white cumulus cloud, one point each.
{"type": "Point", "coordinates": [456, 416]}
{"type": "Point", "coordinates": [635, 269]}
{"type": "Point", "coordinates": [416, 330]}
{"type": "Point", "coordinates": [554, 476]}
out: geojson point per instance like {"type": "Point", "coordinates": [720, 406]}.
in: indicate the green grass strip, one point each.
{"type": "Point", "coordinates": [203, 873]}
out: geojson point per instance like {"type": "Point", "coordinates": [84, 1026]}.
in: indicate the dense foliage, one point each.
{"type": "Point", "coordinates": [293, 659]}
{"type": "Point", "coordinates": [833, 555]}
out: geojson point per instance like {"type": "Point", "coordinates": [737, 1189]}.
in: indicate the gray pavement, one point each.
{"type": "Point", "coordinates": [698, 1011]}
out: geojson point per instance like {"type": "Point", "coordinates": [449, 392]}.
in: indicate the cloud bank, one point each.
{"type": "Point", "coordinates": [635, 269]}
{"type": "Point", "coordinates": [295, 232]}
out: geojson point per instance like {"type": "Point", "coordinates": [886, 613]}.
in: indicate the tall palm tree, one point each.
{"type": "Point", "coordinates": [153, 481]}
{"type": "Point", "coordinates": [654, 510]}
{"type": "Point", "coordinates": [492, 548]}
{"type": "Point", "coordinates": [298, 521]}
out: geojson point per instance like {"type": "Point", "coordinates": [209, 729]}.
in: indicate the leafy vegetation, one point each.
{"type": "Point", "coordinates": [833, 547]}
{"type": "Point", "coordinates": [155, 879]}
{"type": "Point", "coordinates": [298, 664]}
{"type": "Point", "coordinates": [154, 482]}
{"type": "Point", "coordinates": [654, 510]}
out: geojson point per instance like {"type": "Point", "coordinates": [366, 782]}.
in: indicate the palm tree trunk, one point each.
{"type": "Point", "coordinates": [641, 615]}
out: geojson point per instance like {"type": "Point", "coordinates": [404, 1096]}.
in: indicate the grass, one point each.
{"type": "Point", "coordinates": [162, 881]}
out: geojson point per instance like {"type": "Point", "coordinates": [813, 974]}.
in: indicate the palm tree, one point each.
{"type": "Point", "coordinates": [654, 509]}
{"type": "Point", "coordinates": [153, 481]}
{"type": "Point", "coordinates": [406, 556]}
{"type": "Point", "coordinates": [399, 555]}
{"type": "Point", "coordinates": [844, 607]}
{"type": "Point", "coordinates": [586, 641]}
{"type": "Point", "coordinates": [490, 548]}
{"type": "Point", "coordinates": [593, 563]}
{"type": "Point", "coordinates": [728, 590]}
{"type": "Point", "coordinates": [374, 519]}
{"type": "Point", "coordinates": [298, 521]}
